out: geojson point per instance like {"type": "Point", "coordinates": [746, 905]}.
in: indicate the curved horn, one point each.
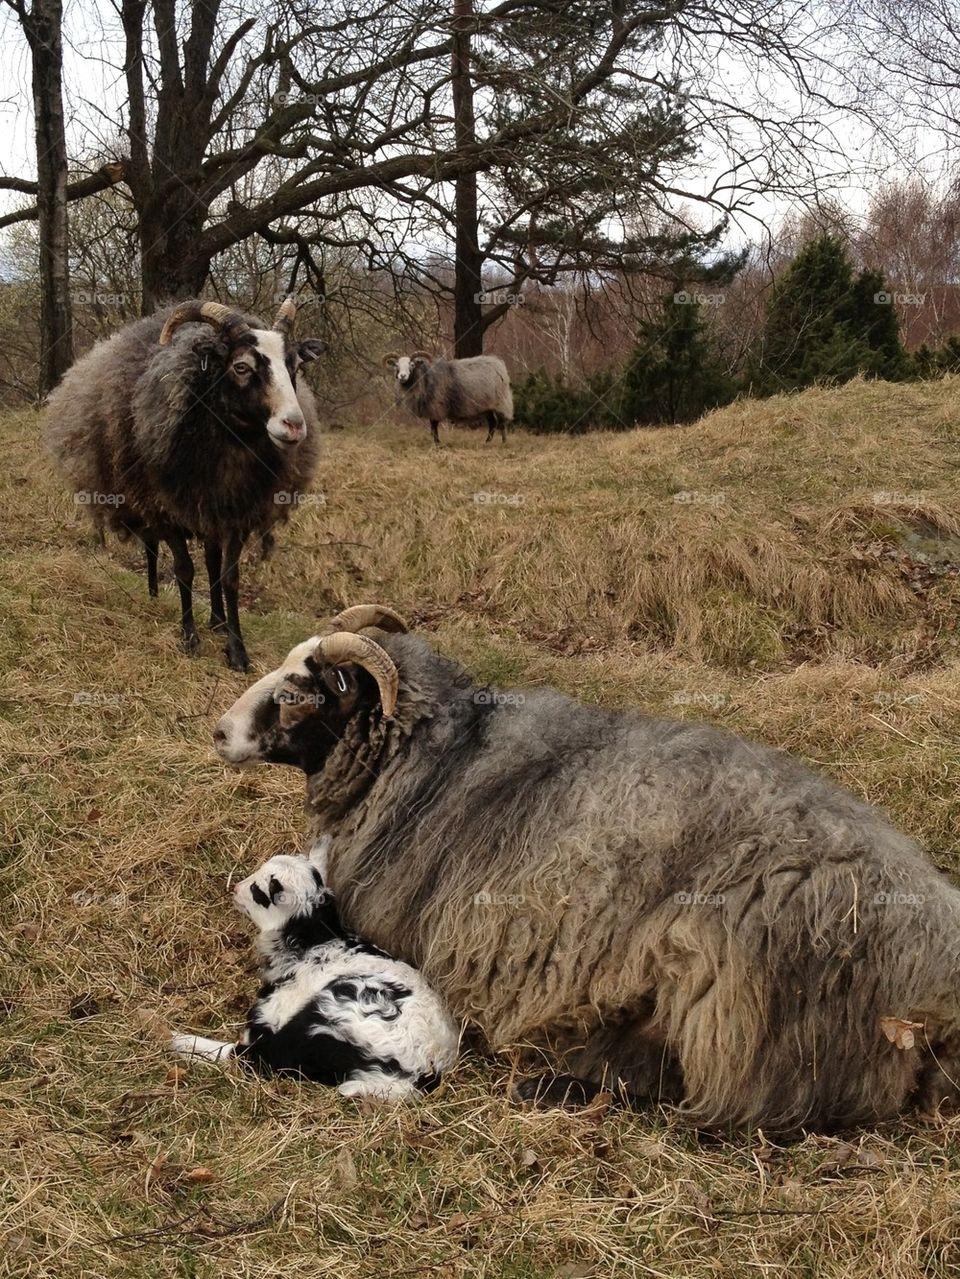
{"type": "Point", "coordinates": [359, 616]}
{"type": "Point", "coordinates": [389, 361]}
{"type": "Point", "coordinates": [286, 317]}
{"type": "Point", "coordinates": [221, 317]}
{"type": "Point", "coordinates": [421, 355]}
{"type": "Point", "coordinates": [345, 646]}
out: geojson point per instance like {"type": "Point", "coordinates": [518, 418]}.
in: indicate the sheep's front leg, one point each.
{"type": "Point", "coordinates": [213, 556]}
{"type": "Point", "coordinates": [196, 1048]}
{"type": "Point", "coordinates": [236, 653]}
{"type": "Point", "coordinates": [434, 432]}
{"type": "Point", "coordinates": [150, 545]}
{"type": "Point", "coordinates": [183, 571]}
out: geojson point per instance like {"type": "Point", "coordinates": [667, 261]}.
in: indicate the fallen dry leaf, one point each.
{"type": "Point", "coordinates": [154, 1170]}
{"type": "Point", "coordinates": [176, 1075]}
{"type": "Point", "coordinates": [699, 1199]}
{"type": "Point", "coordinates": [200, 1175]}
{"type": "Point", "coordinates": [900, 1032]}
{"type": "Point", "coordinates": [838, 1158]}
{"type": "Point", "coordinates": [867, 1159]}
{"type": "Point", "coordinates": [345, 1169]}
{"type": "Point", "coordinates": [151, 1023]}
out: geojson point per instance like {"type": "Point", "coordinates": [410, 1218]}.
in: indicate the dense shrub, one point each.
{"type": "Point", "coordinates": [826, 324]}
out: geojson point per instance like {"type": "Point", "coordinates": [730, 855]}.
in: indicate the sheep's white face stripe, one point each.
{"type": "Point", "coordinates": [403, 368]}
{"type": "Point", "coordinates": [240, 742]}
{"type": "Point", "coordinates": [281, 396]}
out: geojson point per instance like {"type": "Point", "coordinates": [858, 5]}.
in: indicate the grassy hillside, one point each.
{"type": "Point", "coordinates": [787, 568]}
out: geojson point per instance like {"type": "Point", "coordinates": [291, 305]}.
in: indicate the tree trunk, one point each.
{"type": "Point", "coordinates": [43, 30]}
{"type": "Point", "coordinates": [468, 271]}
{"type": "Point", "coordinates": [170, 268]}
{"type": "Point", "coordinates": [163, 171]}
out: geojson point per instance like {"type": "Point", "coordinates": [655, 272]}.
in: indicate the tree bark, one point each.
{"type": "Point", "coordinates": [468, 327]}
{"type": "Point", "coordinates": [42, 26]}
{"type": "Point", "coordinates": [170, 267]}
{"type": "Point", "coordinates": [163, 178]}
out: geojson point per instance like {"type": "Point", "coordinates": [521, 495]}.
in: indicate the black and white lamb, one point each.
{"type": "Point", "coordinates": [332, 1008]}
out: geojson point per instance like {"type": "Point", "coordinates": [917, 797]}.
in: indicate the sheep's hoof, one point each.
{"type": "Point", "coordinates": [217, 623]}
{"type": "Point", "coordinates": [237, 658]}
{"type": "Point", "coordinates": [190, 643]}
{"type": "Point", "coordinates": [549, 1091]}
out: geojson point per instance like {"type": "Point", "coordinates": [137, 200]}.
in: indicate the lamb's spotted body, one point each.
{"type": "Point", "coordinates": [332, 1007]}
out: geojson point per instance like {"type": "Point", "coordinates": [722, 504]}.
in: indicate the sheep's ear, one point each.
{"type": "Point", "coordinates": [211, 351]}
{"type": "Point", "coordinates": [296, 703]}
{"type": "Point", "coordinates": [389, 361]}
{"type": "Point", "coordinates": [310, 348]}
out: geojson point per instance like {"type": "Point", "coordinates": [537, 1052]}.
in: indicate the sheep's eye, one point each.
{"type": "Point", "coordinates": [242, 368]}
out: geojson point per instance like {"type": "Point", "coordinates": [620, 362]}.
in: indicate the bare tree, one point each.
{"type": "Point", "coordinates": [577, 123]}
{"type": "Point", "coordinates": [41, 25]}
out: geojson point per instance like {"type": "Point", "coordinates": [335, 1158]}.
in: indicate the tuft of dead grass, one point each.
{"type": "Point", "coordinates": [814, 607]}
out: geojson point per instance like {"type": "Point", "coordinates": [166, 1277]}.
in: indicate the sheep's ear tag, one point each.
{"type": "Point", "coordinates": [341, 682]}
{"type": "Point", "coordinates": [204, 361]}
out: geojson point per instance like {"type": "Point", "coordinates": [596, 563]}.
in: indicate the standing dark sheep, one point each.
{"type": "Point", "coordinates": [454, 390]}
{"type": "Point", "coordinates": [191, 423]}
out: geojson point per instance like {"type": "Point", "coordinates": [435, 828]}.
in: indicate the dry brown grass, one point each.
{"type": "Point", "coordinates": [801, 609]}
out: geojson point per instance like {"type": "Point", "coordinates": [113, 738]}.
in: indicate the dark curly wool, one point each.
{"type": "Point", "coordinates": [160, 442]}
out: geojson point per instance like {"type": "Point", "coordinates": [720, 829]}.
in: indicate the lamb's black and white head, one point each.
{"type": "Point", "coordinates": [298, 713]}
{"type": "Point", "coordinates": [252, 370]}
{"type": "Point", "coordinates": [285, 888]}
{"type": "Point", "coordinates": [408, 369]}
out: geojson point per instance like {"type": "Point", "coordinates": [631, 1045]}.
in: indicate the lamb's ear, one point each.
{"type": "Point", "coordinates": [310, 348]}
{"type": "Point", "coordinates": [318, 853]}
{"type": "Point", "coordinates": [318, 883]}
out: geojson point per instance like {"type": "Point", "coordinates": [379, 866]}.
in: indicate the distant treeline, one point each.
{"type": "Point", "coordinates": [824, 323]}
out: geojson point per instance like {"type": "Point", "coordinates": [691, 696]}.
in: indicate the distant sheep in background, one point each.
{"type": "Point", "coordinates": [332, 1008]}
{"type": "Point", "coordinates": [191, 423]}
{"type": "Point", "coordinates": [454, 390]}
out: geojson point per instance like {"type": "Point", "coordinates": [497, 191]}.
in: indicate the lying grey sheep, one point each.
{"type": "Point", "coordinates": [454, 390]}
{"type": "Point", "coordinates": [648, 904]}
{"type": "Point", "coordinates": [193, 422]}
